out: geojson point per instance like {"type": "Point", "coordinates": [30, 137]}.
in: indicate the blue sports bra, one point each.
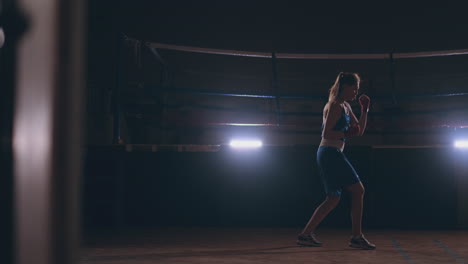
{"type": "Point", "coordinates": [342, 124]}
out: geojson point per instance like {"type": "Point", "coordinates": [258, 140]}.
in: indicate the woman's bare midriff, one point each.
{"type": "Point", "coordinates": [336, 143]}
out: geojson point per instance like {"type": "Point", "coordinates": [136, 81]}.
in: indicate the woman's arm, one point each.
{"type": "Point", "coordinates": [362, 122]}
{"type": "Point", "coordinates": [364, 101]}
{"type": "Point", "coordinates": [332, 114]}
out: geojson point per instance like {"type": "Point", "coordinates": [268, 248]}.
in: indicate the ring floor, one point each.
{"type": "Point", "coordinates": [270, 245]}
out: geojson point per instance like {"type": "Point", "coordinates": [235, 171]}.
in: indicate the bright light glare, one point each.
{"type": "Point", "coordinates": [246, 143]}
{"type": "Point", "coordinates": [461, 144]}
{"type": "Point", "coordinates": [240, 124]}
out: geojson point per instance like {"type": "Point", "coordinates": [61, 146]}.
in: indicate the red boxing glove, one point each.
{"type": "Point", "coordinates": [364, 101]}
{"type": "Point", "coordinates": [352, 131]}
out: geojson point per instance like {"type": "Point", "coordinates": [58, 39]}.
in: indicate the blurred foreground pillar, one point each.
{"type": "Point", "coordinates": [47, 131]}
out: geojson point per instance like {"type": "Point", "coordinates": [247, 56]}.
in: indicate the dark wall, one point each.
{"type": "Point", "coordinates": [274, 186]}
{"type": "Point", "coordinates": [414, 188]}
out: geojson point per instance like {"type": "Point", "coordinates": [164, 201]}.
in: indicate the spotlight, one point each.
{"type": "Point", "coordinates": [461, 144]}
{"type": "Point", "coordinates": [245, 144]}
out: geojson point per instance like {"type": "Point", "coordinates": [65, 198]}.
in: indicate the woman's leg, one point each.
{"type": "Point", "coordinates": [320, 213]}
{"type": "Point", "coordinates": [357, 194]}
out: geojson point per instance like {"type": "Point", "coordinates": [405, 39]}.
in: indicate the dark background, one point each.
{"type": "Point", "coordinates": [278, 185]}
{"type": "Point", "coordinates": [271, 187]}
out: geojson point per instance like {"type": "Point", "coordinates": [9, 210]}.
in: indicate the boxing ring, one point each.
{"type": "Point", "coordinates": [392, 69]}
{"type": "Point", "coordinates": [215, 197]}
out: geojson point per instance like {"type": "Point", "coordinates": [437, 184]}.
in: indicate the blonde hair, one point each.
{"type": "Point", "coordinates": [349, 78]}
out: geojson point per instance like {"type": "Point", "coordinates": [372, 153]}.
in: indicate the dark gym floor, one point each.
{"type": "Point", "coordinates": [271, 245]}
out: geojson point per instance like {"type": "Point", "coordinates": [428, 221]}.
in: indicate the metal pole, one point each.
{"type": "Point", "coordinates": [275, 85]}
{"type": "Point", "coordinates": [392, 79]}
{"type": "Point", "coordinates": [162, 90]}
{"type": "Point", "coordinates": [47, 132]}
{"type": "Point", "coordinates": [117, 137]}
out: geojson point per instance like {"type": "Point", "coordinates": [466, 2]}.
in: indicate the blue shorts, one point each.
{"type": "Point", "coordinates": [335, 170]}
